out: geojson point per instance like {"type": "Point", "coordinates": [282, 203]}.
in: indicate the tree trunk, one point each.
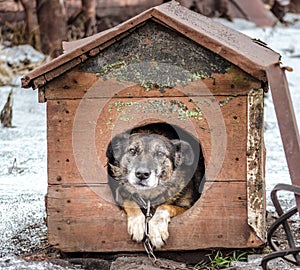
{"type": "Point", "coordinates": [53, 25]}
{"type": "Point", "coordinates": [89, 17]}
{"type": "Point", "coordinates": [280, 8]}
{"type": "Point", "coordinates": [32, 26]}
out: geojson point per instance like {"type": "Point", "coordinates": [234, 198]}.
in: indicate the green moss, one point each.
{"type": "Point", "coordinates": [109, 67]}
{"type": "Point", "coordinates": [128, 110]}
{"type": "Point", "coordinates": [156, 57]}
{"type": "Point", "coordinates": [226, 100]}
{"type": "Point", "coordinates": [119, 105]}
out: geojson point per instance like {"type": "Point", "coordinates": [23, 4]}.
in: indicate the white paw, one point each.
{"type": "Point", "coordinates": [158, 228]}
{"type": "Point", "coordinates": [136, 227]}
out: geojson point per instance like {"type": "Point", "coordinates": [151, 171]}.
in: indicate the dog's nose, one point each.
{"type": "Point", "coordinates": [142, 173]}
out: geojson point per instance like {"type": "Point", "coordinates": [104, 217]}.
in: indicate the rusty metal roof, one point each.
{"type": "Point", "coordinates": [250, 55]}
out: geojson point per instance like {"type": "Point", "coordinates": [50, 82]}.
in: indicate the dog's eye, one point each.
{"type": "Point", "coordinates": [132, 151]}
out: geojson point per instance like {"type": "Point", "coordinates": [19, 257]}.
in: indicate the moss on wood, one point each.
{"type": "Point", "coordinates": [156, 57]}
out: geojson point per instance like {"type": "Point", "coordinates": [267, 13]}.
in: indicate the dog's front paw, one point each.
{"type": "Point", "coordinates": [136, 227]}
{"type": "Point", "coordinates": [158, 228]}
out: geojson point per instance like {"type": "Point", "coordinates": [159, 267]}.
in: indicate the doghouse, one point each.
{"type": "Point", "coordinates": [166, 68]}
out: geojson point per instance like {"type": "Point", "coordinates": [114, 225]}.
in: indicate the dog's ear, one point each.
{"type": "Point", "coordinates": [184, 153]}
{"type": "Point", "coordinates": [117, 146]}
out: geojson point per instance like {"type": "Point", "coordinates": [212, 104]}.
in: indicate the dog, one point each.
{"type": "Point", "coordinates": [147, 167]}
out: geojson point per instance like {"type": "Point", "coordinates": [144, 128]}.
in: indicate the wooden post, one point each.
{"type": "Point", "coordinates": [287, 122]}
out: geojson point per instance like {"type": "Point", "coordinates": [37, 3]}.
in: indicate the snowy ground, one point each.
{"type": "Point", "coordinates": [23, 180]}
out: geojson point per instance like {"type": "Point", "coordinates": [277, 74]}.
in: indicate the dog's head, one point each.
{"type": "Point", "coordinates": [146, 160]}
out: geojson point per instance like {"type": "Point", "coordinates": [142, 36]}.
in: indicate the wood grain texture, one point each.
{"type": "Point", "coordinates": [79, 219]}
{"type": "Point", "coordinates": [78, 84]}
{"type": "Point", "coordinates": [140, 73]}
{"type": "Point", "coordinates": [256, 163]}
{"type": "Point", "coordinates": [79, 132]}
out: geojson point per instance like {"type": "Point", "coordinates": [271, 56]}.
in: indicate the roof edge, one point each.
{"type": "Point", "coordinates": [86, 48]}
{"type": "Point", "coordinates": [251, 59]}
{"type": "Point", "coordinates": [232, 45]}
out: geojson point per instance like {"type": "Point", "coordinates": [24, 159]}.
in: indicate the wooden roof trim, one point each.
{"type": "Point", "coordinates": [65, 61]}
{"type": "Point", "coordinates": [41, 75]}
{"type": "Point", "coordinates": [252, 57]}
{"type": "Point", "coordinates": [230, 44]}
{"type": "Point", "coordinates": [69, 46]}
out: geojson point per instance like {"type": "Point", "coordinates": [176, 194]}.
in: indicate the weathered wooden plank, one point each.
{"type": "Point", "coordinates": [76, 84]}
{"type": "Point", "coordinates": [79, 132]}
{"type": "Point", "coordinates": [71, 146]}
{"type": "Point", "coordinates": [256, 163]}
{"type": "Point", "coordinates": [79, 219]}
{"type": "Point", "coordinates": [62, 69]}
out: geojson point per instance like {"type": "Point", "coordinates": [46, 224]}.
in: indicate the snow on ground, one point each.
{"type": "Point", "coordinates": [23, 177]}
{"type": "Point", "coordinates": [20, 54]}
{"type": "Point", "coordinates": [23, 180]}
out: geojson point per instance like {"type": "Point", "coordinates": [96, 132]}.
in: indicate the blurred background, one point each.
{"type": "Point", "coordinates": [45, 24]}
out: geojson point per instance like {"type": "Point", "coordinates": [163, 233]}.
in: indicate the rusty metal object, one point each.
{"type": "Point", "coordinates": [282, 220]}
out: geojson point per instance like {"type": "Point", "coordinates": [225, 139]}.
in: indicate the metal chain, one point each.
{"type": "Point", "coordinates": [149, 247]}
{"type": "Point", "coordinates": [147, 243]}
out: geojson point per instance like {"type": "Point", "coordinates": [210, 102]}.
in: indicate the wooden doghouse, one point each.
{"type": "Point", "coordinates": [167, 66]}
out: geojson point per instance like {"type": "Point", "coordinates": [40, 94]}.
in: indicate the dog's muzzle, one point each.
{"type": "Point", "coordinates": [143, 178]}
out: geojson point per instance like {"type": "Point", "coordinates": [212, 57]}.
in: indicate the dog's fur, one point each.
{"type": "Point", "coordinates": [150, 167]}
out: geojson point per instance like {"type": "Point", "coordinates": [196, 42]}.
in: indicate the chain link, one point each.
{"type": "Point", "coordinates": [147, 243]}
{"type": "Point", "coordinates": [149, 247]}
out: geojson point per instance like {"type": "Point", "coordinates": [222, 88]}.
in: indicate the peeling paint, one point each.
{"type": "Point", "coordinates": [255, 164]}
